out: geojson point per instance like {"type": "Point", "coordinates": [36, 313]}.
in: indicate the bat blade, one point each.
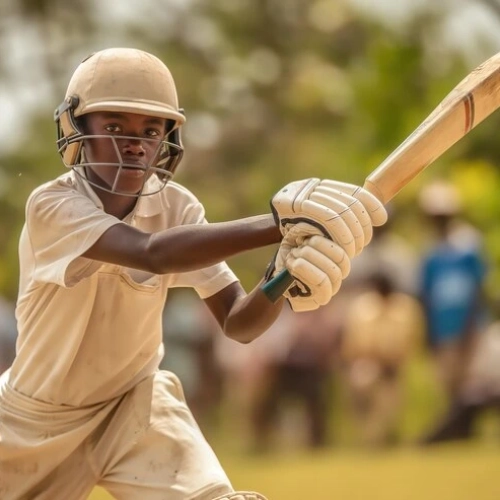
{"type": "Point", "coordinates": [467, 105]}
{"type": "Point", "coordinates": [471, 101]}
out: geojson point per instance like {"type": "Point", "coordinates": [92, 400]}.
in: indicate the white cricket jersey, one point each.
{"type": "Point", "coordinates": [89, 331]}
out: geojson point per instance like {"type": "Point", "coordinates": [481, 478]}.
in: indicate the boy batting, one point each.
{"type": "Point", "coordinates": [84, 402]}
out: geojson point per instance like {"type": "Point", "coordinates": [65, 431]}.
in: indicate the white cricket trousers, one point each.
{"type": "Point", "coordinates": [143, 445]}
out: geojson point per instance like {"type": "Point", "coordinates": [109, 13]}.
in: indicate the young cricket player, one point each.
{"type": "Point", "coordinates": [84, 402]}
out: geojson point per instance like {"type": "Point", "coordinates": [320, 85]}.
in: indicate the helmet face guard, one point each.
{"type": "Point", "coordinates": [126, 81]}
{"type": "Point", "coordinates": [70, 145]}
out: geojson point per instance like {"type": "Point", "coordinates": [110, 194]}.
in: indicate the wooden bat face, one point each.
{"type": "Point", "coordinates": [467, 105]}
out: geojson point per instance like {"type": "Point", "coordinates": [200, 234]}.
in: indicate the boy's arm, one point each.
{"type": "Point", "coordinates": [318, 263]}
{"type": "Point", "coordinates": [243, 317]}
{"type": "Point", "coordinates": [183, 248]}
{"type": "Point", "coordinates": [344, 213]}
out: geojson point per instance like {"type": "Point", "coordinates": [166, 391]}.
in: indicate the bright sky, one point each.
{"type": "Point", "coordinates": [469, 27]}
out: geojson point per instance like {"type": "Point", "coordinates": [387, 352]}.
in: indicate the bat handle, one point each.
{"type": "Point", "coordinates": [278, 285]}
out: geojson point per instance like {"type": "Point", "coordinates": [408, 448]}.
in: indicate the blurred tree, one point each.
{"type": "Point", "coordinates": [272, 90]}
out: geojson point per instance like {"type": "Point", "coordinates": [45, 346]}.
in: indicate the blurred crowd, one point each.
{"type": "Point", "coordinates": [350, 359]}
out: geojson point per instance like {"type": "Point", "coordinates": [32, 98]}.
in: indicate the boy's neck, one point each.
{"type": "Point", "coordinates": [115, 204]}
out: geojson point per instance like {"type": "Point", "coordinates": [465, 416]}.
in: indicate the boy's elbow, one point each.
{"type": "Point", "coordinates": [244, 334]}
{"type": "Point", "coordinates": [250, 322]}
{"type": "Point", "coordinates": [240, 337]}
{"type": "Point", "coordinates": [155, 258]}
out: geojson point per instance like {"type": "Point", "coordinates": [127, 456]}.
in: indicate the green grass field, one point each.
{"type": "Point", "coordinates": [464, 472]}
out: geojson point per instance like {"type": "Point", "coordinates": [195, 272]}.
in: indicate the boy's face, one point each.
{"type": "Point", "coordinates": [127, 144]}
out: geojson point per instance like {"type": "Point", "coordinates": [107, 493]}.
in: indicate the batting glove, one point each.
{"type": "Point", "coordinates": [343, 212]}
{"type": "Point", "coordinates": [317, 263]}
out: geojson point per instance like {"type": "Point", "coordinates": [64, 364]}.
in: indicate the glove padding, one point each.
{"type": "Point", "coordinates": [343, 212]}
{"type": "Point", "coordinates": [317, 263]}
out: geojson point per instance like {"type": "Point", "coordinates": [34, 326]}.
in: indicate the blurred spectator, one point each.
{"type": "Point", "coordinates": [381, 331]}
{"type": "Point", "coordinates": [453, 272]}
{"type": "Point", "coordinates": [292, 369]}
{"type": "Point", "coordinates": [8, 334]}
{"type": "Point", "coordinates": [480, 391]}
{"type": "Point", "coordinates": [189, 332]}
{"type": "Point", "coordinates": [452, 279]}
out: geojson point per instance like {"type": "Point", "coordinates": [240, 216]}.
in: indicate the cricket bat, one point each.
{"type": "Point", "coordinates": [467, 105]}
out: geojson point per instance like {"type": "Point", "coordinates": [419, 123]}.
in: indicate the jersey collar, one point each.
{"type": "Point", "coordinates": [148, 205]}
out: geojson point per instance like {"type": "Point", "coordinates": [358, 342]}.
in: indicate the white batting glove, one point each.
{"type": "Point", "coordinates": [318, 265]}
{"type": "Point", "coordinates": [345, 213]}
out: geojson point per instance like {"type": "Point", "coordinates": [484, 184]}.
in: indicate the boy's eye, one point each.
{"type": "Point", "coordinates": [153, 132]}
{"type": "Point", "coordinates": [112, 128]}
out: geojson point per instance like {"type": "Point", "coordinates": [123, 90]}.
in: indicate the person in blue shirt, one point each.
{"type": "Point", "coordinates": [453, 272]}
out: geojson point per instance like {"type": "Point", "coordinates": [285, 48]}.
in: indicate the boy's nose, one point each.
{"type": "Point", "coordinates": [134, 147]}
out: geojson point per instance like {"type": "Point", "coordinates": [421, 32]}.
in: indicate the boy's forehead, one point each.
{"type": "Point", "coordinates": [126, 117]}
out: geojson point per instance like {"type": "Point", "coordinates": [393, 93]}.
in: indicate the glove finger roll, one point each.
{"type": "Point", "coordinates": [353, 204]}
{"type": "Point", "coordinates": [373, 205]}
{"type": "Point", "coordinates": [313, 267]}
{"type": "Point", "coordinates": [335, 225]}
{"type": "Point", "coordinates": [333, 251]}
{"type": "Point", "coordinates": [348, 215]}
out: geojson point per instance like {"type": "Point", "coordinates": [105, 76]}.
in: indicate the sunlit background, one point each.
{"type": "Point", "coordinates": [276, 90]}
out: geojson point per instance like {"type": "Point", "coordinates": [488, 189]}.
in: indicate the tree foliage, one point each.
{"type": "Point", "coordinates": [273, 91]}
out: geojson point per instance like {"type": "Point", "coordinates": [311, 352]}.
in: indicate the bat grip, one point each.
{"type": "Point", "coordinates": [278, 285]}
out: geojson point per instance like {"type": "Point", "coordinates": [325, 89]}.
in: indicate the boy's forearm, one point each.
{"type": "Point", "coordinates": [191, 247]}
{"type": "Point", "coordinates": [251, 316]}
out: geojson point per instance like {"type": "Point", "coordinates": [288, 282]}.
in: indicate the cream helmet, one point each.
{"type": "Point", "coordinates": [145, 86]}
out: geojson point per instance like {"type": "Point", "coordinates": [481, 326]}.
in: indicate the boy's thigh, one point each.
{"type": "Point", "coordinates": [73, 479]}
{"type": "Point", "coordinates": [171, 458]}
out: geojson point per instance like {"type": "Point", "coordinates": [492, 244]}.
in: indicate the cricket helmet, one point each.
{"type": "Point", "coordinates": [120, 80]}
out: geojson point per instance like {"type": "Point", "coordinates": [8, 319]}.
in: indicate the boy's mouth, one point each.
{"type": "Point", "coordinates": [133, 171]}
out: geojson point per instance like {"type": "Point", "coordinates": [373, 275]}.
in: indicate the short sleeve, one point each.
{"type": "Point", "coordinates": [207, 281]}
{"type": "Point", "coordinates": [186, 209]}
{"type": "Point", "coordinates": [62, 224]}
